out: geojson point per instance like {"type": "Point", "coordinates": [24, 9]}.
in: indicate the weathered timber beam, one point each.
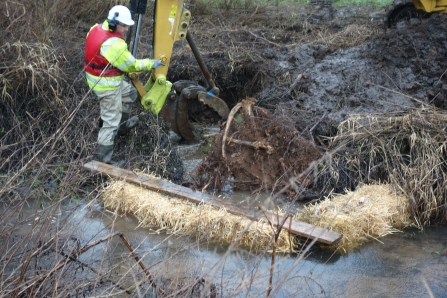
{"type": "Point", "coordinates": [297, 228]}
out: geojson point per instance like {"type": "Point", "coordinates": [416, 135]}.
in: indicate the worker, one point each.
{"type": "Point", "coordinates": [106, 60]}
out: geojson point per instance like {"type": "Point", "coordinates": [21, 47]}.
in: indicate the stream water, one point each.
{"type": "Point", "coordinates": [408, 264]}
{"type": "Point", "coordinates": [412, 263]}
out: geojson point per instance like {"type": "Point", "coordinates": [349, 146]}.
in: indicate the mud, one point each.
{"type": "Point", "coordinates": [393, 70]}
{"type": "Point", "coordinates": [309, 66]}
{"type": "Point", "coordinates": [343, 63]}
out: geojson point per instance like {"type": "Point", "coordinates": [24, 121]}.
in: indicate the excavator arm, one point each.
{"type": "Point", "coordinates": [170, 101]}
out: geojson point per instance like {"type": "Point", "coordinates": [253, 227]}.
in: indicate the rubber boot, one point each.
{"type": "Point", "coordinates": [127, 124]}
{"type": "Point", "coordinates": [104, 154]}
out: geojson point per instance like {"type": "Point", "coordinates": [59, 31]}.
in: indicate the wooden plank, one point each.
{"type": "Point", "coordinates": [298, 228]}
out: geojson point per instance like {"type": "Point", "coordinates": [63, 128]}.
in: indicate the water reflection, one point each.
{"type": "Point", "coordinates": [394, 268]}
{"type": "Point", "coordinates": [397, 266]}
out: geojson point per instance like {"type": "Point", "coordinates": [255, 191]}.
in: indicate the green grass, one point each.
{"type": "Point", "coordinates": [228, 4]}
{"type": "Point", "coordinates": [366, 3]}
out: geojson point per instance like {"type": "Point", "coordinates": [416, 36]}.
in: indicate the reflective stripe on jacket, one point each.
{"type": "Point", "coordinates": [113, 49]}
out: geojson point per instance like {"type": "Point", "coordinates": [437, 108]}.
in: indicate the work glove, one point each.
{"type": "Point", "coordinates": [157, 63]}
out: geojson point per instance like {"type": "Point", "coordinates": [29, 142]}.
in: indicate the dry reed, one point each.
{"type": "Point", "coordinates": [202, 221]}
{"type": "Point", "coordinates": [371, 212]}
{"type": "Point", "coordinates": [407, 150]}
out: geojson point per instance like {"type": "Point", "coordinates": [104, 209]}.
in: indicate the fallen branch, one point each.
{"type": "Point", "coordinates": [264, 39]}
{"type": "Point", "coordinates": [257, 144]}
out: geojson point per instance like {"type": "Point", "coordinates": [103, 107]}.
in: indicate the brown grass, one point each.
{"type": "Point", "coordinates": [351, 36]}
{"type": "Point", "coordinates": [407, 150]}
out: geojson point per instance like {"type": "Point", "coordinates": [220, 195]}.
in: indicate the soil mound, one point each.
{"type": "Point", "coordinates": [256, 151]}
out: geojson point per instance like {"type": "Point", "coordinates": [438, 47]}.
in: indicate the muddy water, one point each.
{"type": "Point", "coordinates": [408, 264]}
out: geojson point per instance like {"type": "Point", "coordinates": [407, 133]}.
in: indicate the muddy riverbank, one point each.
{"type": "Point", "coordinates": [314, 67]}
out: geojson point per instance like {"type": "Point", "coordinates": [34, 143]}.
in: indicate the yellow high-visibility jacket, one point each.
{"type": "Point", "coordinates": [114, 50]}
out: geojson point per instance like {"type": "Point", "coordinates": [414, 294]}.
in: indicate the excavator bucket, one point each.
{"type": "Point", "coordinates": [169, 112]}
{"type": "Point", "coordinates": [215, 103]}
{"type": "Point", "coordinates": [175, 110]}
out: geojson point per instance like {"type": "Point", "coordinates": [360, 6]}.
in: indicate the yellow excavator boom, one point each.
{"type": "Point", "coordinates": [170, 24]}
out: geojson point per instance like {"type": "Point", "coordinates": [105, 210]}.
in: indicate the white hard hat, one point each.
{"type": "Point", "coordinates": [121, 14]}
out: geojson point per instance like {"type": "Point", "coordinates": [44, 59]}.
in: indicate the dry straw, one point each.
{"type": "Point", "coordinates": [371, 212]}
{"type": "Point", "coordinates": [408, 151]}
{"type": "Point", "coordinates": [201, 221]}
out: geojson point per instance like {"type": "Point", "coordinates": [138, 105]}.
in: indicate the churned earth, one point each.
{"type": "Point", "coordinates": [317, 64]}
{"type": "Point", "coordinates": [308, 70]}
{"type": "Point", "coordinates": [307, 67]}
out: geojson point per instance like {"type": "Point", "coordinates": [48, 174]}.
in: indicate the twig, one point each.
{"type": "Point", "coordinates": [249, 17]}
{"type": "Point", "coordinates": [257, 144]}
{"type": "Point", "coordinates": [73, 256]}
{"type": "Point", "coordinates": [96, 272]}
{"type": "Point", "coordinates": [397, 92]}
{"type": "Point", "coordinates": [247, 110]}
{"type": "Point", "coordinates": [275, 244]}
{"type": "Point", "coordinates": [137, 259]}
{"type": "Point", "coordinates": [290, 235]}
{"type": "Point", "coordinates": [427, 287]}
{"type": "Point", "coordinates": [298, 78]}
{"type": "Point", "coordinates": [316, 123]}
{"type": "Point", "coordinates": [441, 77]}
{"type": "Point", "coordinates": [264, 39]}
{"type": "Point", "coordinates": [306, 250]}
{"type": "Point", "coordinates": [210, 135]}
{"type": "Point", "coordinates": [64, 262]}
{"type": "Point", "coordinates": [24, 12]}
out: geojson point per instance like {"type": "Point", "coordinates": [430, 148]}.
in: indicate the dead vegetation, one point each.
{"type": "Point", "coordinates": [203, 222]}
{"type": "Point", "coordinates": [406, 150]}
{"type": "Point", "coordinates": [48, 129]}
{"type": "Point", "coordinates": [48, 126]}
{"type": "Point", "coordinates": [257, 151]}
{"type": "Point", "coordinates": [351, 36]}
{"type": "Point", "coordinates": [368, 213]}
